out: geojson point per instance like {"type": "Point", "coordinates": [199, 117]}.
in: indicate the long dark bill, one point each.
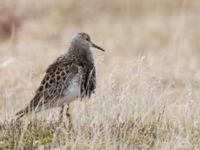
{"type": "Point", "coordinates": [96, 46]}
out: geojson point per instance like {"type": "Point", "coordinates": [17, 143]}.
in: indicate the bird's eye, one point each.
{"type": "Point", "coordinates": [87, 38]}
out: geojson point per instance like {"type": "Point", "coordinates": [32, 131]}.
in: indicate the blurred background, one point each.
{"type": "Point", "coordinates": [158, 38]}
{"type": "Point", "coordinates": [165, 32]}
{"type": "Point", "coordinates": [149, 74]}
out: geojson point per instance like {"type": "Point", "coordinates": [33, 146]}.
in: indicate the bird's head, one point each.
{"type": "Point", "coordinates": [83, 40]}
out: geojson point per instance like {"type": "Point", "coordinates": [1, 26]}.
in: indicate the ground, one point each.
{"type": "Point", "coordinates": [148, 80]}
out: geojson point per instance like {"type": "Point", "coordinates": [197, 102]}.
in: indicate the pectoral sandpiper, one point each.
{"type": "Point", "coordinates": [69, 77]}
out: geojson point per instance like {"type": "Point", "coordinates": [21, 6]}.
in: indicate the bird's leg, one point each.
{"type": "Point", "coordinates": [69, 117]}
{"type": "Point", "coordinates": [61, 114]}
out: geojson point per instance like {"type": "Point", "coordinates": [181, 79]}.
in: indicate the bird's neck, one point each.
{"type": "Point", "coordinates": [82, 53]}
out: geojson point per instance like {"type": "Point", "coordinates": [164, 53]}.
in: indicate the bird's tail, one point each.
{"type": "Point", "coordinates": [22, 112]}
{"type": "Point", "coordinates": [35, 102]}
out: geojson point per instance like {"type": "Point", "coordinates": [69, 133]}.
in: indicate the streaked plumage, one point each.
{"type": "Point", "coordinates": [72, 75]}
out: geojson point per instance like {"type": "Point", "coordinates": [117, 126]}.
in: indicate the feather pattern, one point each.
{"type": "Point", "coordinates": [70, 76]}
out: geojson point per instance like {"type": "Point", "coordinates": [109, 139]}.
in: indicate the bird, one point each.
{"type": "Point", "coordinates": [69, 77]}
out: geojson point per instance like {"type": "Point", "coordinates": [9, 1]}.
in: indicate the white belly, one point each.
{"type": "Point", "coordinates": [70, 94]}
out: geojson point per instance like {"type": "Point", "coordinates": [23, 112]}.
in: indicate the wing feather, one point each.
{"type": "Point", "coordinates": [57, 79]}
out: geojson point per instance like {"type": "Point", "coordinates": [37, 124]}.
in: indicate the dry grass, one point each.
{"type": "Point", "coordinates": [148, 88]}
